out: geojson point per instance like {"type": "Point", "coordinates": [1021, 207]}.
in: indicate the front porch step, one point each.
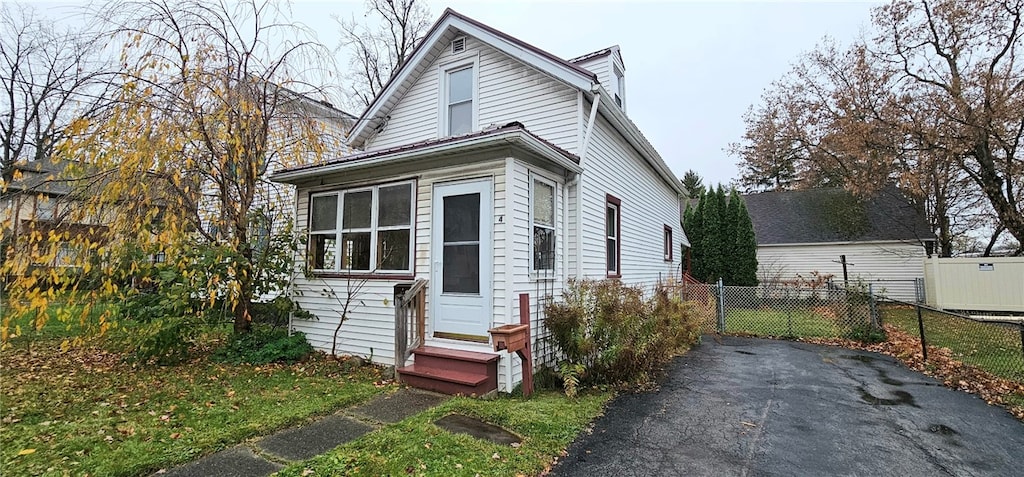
{"type": "Point", "coordinates": [452, 371]}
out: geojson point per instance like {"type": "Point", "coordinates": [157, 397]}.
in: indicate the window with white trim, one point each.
{"type": "Point", "coordinates": [363, 230]}
{"type": "Point", "coordinates": [542, 217]}
{"type": "Point", "coordinates": [613, 229]}
{"type": "Point", "coordinates": [458, 98]}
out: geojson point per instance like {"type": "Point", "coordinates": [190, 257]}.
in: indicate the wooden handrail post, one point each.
{"type": "Point", "coordinates": [525, 354]}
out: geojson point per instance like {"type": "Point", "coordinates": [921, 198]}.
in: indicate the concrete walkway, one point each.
{"type": "Point", "coordinates": [743, 406]}
{"type": "Point", "coordinates": [269, 454]}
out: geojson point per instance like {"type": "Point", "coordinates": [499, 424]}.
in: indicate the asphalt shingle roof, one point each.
{"type": "Point", "coordinates": [834, 215]}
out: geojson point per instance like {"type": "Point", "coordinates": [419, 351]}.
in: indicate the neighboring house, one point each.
{"type": "Point", "coordinates": [488, 168]}
{"type": "Point", "coordinates": [803, 234]}
{"type": "Point", "coordinates": [298, 116]}
{"type": "Point", "coordinates": [38, 199]}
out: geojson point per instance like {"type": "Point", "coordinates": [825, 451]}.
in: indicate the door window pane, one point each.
{"type": "Point", "coordinates": [543, 204]}
{"type": "Point", "coordinates": [355, 251]}
{"type": "Point", "coordinates": [462, 218]}
{"type": "Point", "coordinates": [460, 85]}
{"type": "Point", "coordinates": [395, 205]}
{"type": "Point", "coordinates": [357, 210]}
{"type": "Point", "coordinates": [460, 118]}
{"type": "Point", "coordinates": [325, 212]}
{"type": "Point", "coordinates": [461, 269]}
{"type": "Point", "coordinates": [393, 249]}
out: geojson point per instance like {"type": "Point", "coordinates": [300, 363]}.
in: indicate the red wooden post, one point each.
{"type": "Point", "coordinates": [524, 354]}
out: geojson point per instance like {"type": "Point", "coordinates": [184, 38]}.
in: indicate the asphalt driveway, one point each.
{"type": "Point", "coordinates": [743, 406]}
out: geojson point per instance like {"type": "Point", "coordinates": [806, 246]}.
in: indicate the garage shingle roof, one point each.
{"type": "Point", "coordinates": [834, 215]}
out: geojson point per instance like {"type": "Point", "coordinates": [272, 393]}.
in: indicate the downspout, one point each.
{"type": "Point", "coordinates": [596, 89]}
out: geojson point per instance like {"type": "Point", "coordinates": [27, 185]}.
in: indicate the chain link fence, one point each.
{"type": "Point", "coordinates": [776, 310]}
{"type": "Point", "coordinates": [993, 345]}
{"type": "Point", "coordinates": [794, 311]}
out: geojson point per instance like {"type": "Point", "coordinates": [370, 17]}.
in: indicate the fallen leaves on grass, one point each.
{"type": "Point", "coordinates": [941, 364]}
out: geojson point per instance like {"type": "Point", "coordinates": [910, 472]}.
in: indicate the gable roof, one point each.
{"type": "Point", "coordinates": [834, 215]}
{"type": "Point", "coordinates": [431, 46]}
{"type": "Point", "coordinates": [451, 24]}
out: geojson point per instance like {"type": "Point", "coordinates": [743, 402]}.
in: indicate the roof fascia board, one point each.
{"type": "Point", "coordinates": [527, 141]}
{"type": "Point", "coordinates": [546, 65]}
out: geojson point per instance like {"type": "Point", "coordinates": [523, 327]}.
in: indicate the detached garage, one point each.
{"type": "Point", "coordinates": [807, 235]}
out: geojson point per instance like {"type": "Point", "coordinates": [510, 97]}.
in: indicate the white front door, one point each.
{"type": "Point", "coordinates": [461, 259]}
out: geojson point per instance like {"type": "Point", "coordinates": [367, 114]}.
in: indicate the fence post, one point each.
{"type": "Point", "coordinates": [1021, 326]}
{"type": "Point", "coordinates": [876, 320]}
{"type": "Point", "coordinates": [721, 306]}
{"type": "Point", "coordinates": [920, 328]}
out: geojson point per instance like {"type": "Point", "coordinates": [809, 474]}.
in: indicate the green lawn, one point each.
{"type": "Point", "coordinates": [796, 322]}
{"type": "Point", "coordinates": [547, 422]}
{"type": "Point", "coordinates": [994, 348]}
{"type": "Point", "coordinates": [88, 411]}
{"type": "Point", "coordinates": [84, 411]}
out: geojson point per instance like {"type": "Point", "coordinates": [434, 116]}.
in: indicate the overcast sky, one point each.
{"type": "Point", "coordinates": [692, 68]}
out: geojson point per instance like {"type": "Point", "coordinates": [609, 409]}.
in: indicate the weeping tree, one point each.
{"type": "Point", "coordinates": [176, 167]}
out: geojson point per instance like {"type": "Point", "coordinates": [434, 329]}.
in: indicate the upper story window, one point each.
{"type": "Point", "coordinates": [542, 213]}
{"type": "Point", "coordinates": [613, 232]}
{"type": "Point", "coordinates": [364, 230]}
{"type": "Point", "coordinates": [458, 99]}
{"type": "Point", "coordinates": [620, 88]}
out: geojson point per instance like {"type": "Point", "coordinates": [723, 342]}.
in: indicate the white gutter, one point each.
{"type": "Point", "coordinates": [515, 137]}
{"type": "Point", "coordinates": [579, 180]}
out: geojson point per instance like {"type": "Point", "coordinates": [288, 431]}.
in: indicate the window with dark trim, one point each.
{"type": "Point", "coordinates": [668, 243]}
{"type": "Point", "coordinates": [613, 236]}
{"type": "Point", "coordinates": [363, 230]}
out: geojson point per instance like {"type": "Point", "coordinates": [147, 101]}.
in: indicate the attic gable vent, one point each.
{"type": "Point", "coordinates": [459, 45]}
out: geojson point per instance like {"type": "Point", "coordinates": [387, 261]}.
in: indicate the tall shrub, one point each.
{"type": "Point", "coordinates": [745, 248]}
{"type": "Point", "coordinates": [711, 243]}
{"type": "Point", "coordinates": [612, 333]}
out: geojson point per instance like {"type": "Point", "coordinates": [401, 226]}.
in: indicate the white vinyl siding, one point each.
{"type": "Point", "coordinates": [369, 330]}
{"type": "Point", "coordinates": [897, 262]}
{"type": "Point", "coordinates": [518, 221]}
{"type": "Point", "coordinates": [612, 167]}
{"type": "Point", "coordinates": [600, 66]}
{"type": "Point", "coordinates": [508, 91]}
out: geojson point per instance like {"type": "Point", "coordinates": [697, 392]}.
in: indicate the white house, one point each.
{"type": "Point", "coordinates": [488, 168]}
{"type": "Point", "coordinates": [804, 234]}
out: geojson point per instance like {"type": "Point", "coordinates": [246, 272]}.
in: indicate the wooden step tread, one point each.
{"type": "Point", "coordinates": [456, 354]}
{"type": "Point", "coordinates": [468, 379]}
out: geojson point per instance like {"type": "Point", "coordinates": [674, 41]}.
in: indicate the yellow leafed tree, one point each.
{"type": "Point", "coordinates": [174, 171]}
